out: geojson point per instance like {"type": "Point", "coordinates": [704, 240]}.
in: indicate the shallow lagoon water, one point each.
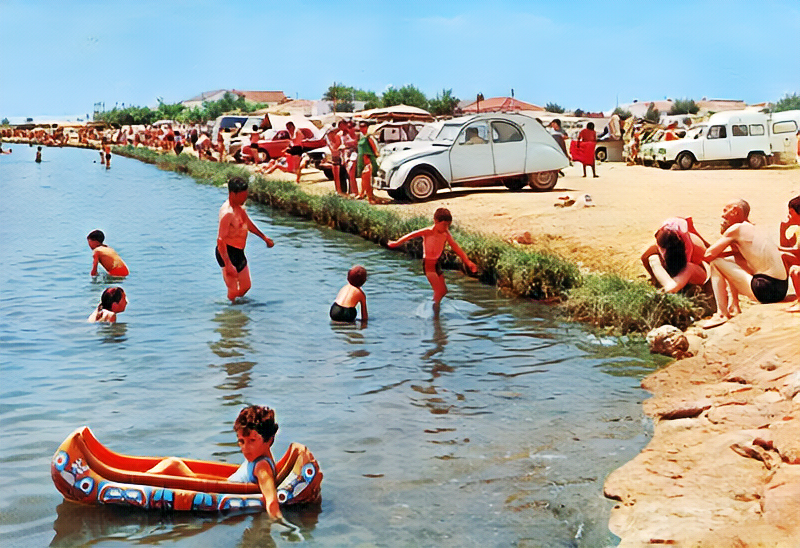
{"type": "Point", "coordinates": [494, 425]}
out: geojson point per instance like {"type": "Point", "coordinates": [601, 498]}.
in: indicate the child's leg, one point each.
{"type": "Point", "coordinates": [437, 283]}
{"type": "Point", "coordinates": [172, 466]}
{"type": "Point", "coordinates": [794, 276]}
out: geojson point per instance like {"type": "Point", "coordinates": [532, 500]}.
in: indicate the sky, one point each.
{"type": "Point", "coordinates": [59, 58]}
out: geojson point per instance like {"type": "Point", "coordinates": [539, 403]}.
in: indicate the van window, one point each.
{"type": "Point", "coordinates": [717, 132]}
{"type": "Point", "coordinates": [739, 130]}
{"type": "Point", "coordinates": [788, 126]}
{"type": "Point", "coordinates": [756, 129]}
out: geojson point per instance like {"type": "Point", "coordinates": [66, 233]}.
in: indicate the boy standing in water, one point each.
{"type": "Point", "coordinates": [433, 240]}
{"type": "Point", "coordinates": [344, 307]}
{"type": "Point", "coordinates": [234, 224]}
{"type": "Point", "coordinates": [105, 256]}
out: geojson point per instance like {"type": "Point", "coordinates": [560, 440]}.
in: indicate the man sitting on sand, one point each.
{"type": "Point", "coordinates": [757, 272]}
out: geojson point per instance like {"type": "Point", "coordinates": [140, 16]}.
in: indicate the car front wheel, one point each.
{"type": "Point", "coordinates": [601, 155]}
{"type": "Point", "coordinates": [685, 160]}
{"type": "Point", "coordinates": [756, 161]}
{"type": "Point", "coordinates": [544, 180]}
{"type": "Point", "coordinates": [420, 185]}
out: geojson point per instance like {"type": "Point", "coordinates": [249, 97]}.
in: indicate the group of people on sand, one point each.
{"type": "Point", "coordinates": [743, 261]}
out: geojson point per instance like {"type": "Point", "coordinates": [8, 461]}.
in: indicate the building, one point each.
{"type": "Point", "coordinates": [270, 98]}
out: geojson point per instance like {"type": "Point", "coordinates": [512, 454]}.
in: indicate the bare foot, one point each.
{"type": "Point", "coordinates": [794, 308]}
{"type": "Point", "coordinates": [714, 321]}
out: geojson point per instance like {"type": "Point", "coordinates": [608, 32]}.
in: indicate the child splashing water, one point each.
{"type": "Point", "coordinates": [112, 302]}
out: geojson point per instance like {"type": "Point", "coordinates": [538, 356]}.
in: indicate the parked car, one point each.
{"type": "Point", "coordinates": [478, 150]}
{"type": "Point", "coordinates": [275, 142]}
{"type": "Point", "coordinates": [734, 136]}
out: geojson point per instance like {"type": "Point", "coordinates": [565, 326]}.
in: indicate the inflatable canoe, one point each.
{"type": "Point", "coordinates": [85, 471]}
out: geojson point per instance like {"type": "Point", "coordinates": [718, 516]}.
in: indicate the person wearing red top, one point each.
{"type": "Point", "coordinates": [587, 139]}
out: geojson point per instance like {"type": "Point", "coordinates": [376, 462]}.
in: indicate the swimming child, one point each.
{"type": "Point", "coordinates": [344, 308]}
{"type": "Point", "coordinates": [433, 240]}
{"type": "Point", "coordinates": [255, 429]}
{"type": "Point", "coordinates": [234, 225]}
{"type": "Point", "coordinates": [38, 155]}
{"type": "Point", "coordinates": [112, 302]}
{"type": "Point", "coordinates": [105, 255]}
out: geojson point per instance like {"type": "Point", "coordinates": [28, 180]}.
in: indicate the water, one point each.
{"type": "Point", "coordinates": [494, 425]}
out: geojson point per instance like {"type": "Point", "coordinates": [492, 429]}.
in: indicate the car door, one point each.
{"type": "Point", "coordinates": [717, 145]}
{"type": "Point", "coordinates": [471, 153]}
{"type": "Point", "coordinates": [509, 148]}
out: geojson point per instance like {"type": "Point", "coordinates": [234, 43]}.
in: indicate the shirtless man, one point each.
{"type": "Point", "coordinates": [335, 144]}
{"type": "Point", "coordinates": [234, 224]}
{"type": "Point", "coordinates": [760, 274]}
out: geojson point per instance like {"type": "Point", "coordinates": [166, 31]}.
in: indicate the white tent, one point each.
{"type": "Point", "coordinates": [395, 113]}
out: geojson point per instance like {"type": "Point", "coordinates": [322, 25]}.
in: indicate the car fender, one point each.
{"type": "Point", "coordinates": [434, 159]}
{"type": "Point", "coordinates": [543, 157]}
{"type": "Point", "coordinates": [675, 148]}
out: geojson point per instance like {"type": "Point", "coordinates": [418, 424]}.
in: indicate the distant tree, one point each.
{"type": "Point", "coordinates": [443, 104]}
{"type": "Point", "coordinates": [622, 113]}
{"type": "Point", "coordinates": [406, 95]}
{"type": "Point", "coordinates": [652, 114]}
{"type": "Point", "coordinates": [5, 122]}
{"type": "Point", "coordinates": [579, 112]}
{"type": "Point", "coordinates": [684, 106]}
{"type": "Point", "coordinates": [339, 94]}
{"type": "Point", "coordinates": [370, 98]}
{"type": "Point", "coordinates": [345, 106]}
{"type": "Point", "coordinates": [554, 107]}
{"type": "Point", "coordinates": [789, 102]}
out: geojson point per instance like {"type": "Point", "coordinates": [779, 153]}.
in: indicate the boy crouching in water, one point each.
{"type": "Point", "coordinates": [255, 432]}
{"type": "Point", "coordinates": [344, 308]}
{"type": "Point", "coordinates": [433, 240]}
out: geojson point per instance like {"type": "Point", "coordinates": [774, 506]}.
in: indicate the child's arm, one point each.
{"type": "Point", "coordinates": [251, 226]}
{"type": "Point", "coordinates": [95, 260]}
{"type": "Point", "coordinates": [266, 483]}
{"type": "Point", "coordinates": [410, 236]}
{"type": "Point", "coordinates": [461, 255]}
{"type": "Point", "coordinates": [787, 241]}
{"type": "Point", "coordinates": [363, 301]}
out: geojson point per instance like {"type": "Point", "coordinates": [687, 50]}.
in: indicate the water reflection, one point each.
{"type": "Point", "coordinates": [234, 335]}
{"type": "Point", "coordinates": [113, 332]}
{"type": "Point", "coordinates": [82, 525]}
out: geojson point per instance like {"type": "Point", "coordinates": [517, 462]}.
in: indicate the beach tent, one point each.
{"type": "Point", "coordinates": [396, 113]}
{"type": "Point", "coordinates": [499, 104]}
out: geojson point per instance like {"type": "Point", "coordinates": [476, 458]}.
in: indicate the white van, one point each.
{"type": "Point", "coordinates": [783, 128]}
{"type": "Point", "coordinates": [733, 136]}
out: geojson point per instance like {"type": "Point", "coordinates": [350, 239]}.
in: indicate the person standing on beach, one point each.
{"type": "Point", "coordinates": [234, 224]}
{"type": "Point", "coordinates": [587, 139]}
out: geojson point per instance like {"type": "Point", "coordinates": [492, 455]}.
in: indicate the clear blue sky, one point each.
{"type": "Point", "coordinates": [61, 57]}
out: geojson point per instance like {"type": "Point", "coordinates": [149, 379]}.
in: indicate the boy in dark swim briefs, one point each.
{"type": "Point", "coordinates": [234, 224]}
{"type": "Point", "coordinates": [344, 308]}
{"type": "Point", "coordinates": [433, 240]}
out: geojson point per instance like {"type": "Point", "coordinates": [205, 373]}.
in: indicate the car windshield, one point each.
{"type": "Point", "coordinates": [449, 133]}
{"type": "Point", "coordinates": [428, 132]}
{"type": "Point", "coordinates": [695, 132]}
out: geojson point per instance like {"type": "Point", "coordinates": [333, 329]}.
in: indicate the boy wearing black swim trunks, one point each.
{"type": "Point", "coordinates": [234, 225]}
{"type": "Point", "coordinates": [433, 240]}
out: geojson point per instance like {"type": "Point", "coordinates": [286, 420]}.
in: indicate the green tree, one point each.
{"type": "Point", "coordinates": [789, 102]}
{"type": "Point", "coordinates": [5, 122]}
{"type": "Point", "coordinates": [554, 107]}
{"type": "Point", "coordinates": [444, 104]}
{"type": "Point", "coordinates": [406, 95]}
{"type": "Point", "coordinates": [622, 113]}
{"type": "Point", "coordinates": [370, 98]}
{"type": "Point", "coordinates": [169, 112]}
{"type": "Point", "coordinates": [341, 96]}
{"type": "Point", "coordinates": [579, 112]}
{"type": "Point", "coordinates": [684, 106]}
{"type": "Point", "coordinates": [652, 114]}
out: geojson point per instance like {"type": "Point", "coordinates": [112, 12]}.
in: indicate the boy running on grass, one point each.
{"type": "Point", "coordinates": [433, 240]}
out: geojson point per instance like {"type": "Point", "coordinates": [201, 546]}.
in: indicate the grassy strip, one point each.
{"type": "Point", "coordinates": [603, 300]}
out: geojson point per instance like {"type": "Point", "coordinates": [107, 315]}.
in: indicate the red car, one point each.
{"type": "Point", "coordinates": [274, 147]}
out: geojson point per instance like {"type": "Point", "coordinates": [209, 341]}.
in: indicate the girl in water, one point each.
{"type": "Point", "coordinates": [112, 302]}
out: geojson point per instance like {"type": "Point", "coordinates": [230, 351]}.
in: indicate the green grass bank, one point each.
{"type": "Point", "coordinates": [599, 299]}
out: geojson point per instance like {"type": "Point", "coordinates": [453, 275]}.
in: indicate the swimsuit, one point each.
{"type": "Point", "coordinates": [340, 313]}
{"type": "Point", "coordinates": [768, 289]}
{"type": "Point", "coordinates": [431, 265]}
{"type": "Point", "coordinates": [295, 150]}
{"type": "Point", "coordinates": [246, 472]}
{"type": "Point", "coordinates": [118, 271]}
{"type": "Point", "coordinates": [236, 256]}
{"type": "Point", "coordinates": [365, 151]}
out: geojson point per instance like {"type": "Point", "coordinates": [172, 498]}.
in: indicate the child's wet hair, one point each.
{"type": "Point", "coordinates": [442, 214]}
{"type": "Point", "coordinates": [237, 184]}
{"type": "Point", "coordinates": [97, 236]}
{"type": "Point", "coordinates": [110, 296]}
{"type": "Point", "coordinates": [794, 203]}
{"type": "Point", "coordinates": [357, 275]}
{"type": "Point", "coordinates": [259, 418]}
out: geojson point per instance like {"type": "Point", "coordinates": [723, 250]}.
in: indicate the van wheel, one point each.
{"type": "Point", "coordinates": [544, 180]}
{"type": "Point", "coordinates": [685, 160]}
{"type": "Point", "coordinates": [601, 155]}
{"type": "Point", "coordinates": [756, 160]}
{"type": "Point", "coordinates": [420, 185]}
